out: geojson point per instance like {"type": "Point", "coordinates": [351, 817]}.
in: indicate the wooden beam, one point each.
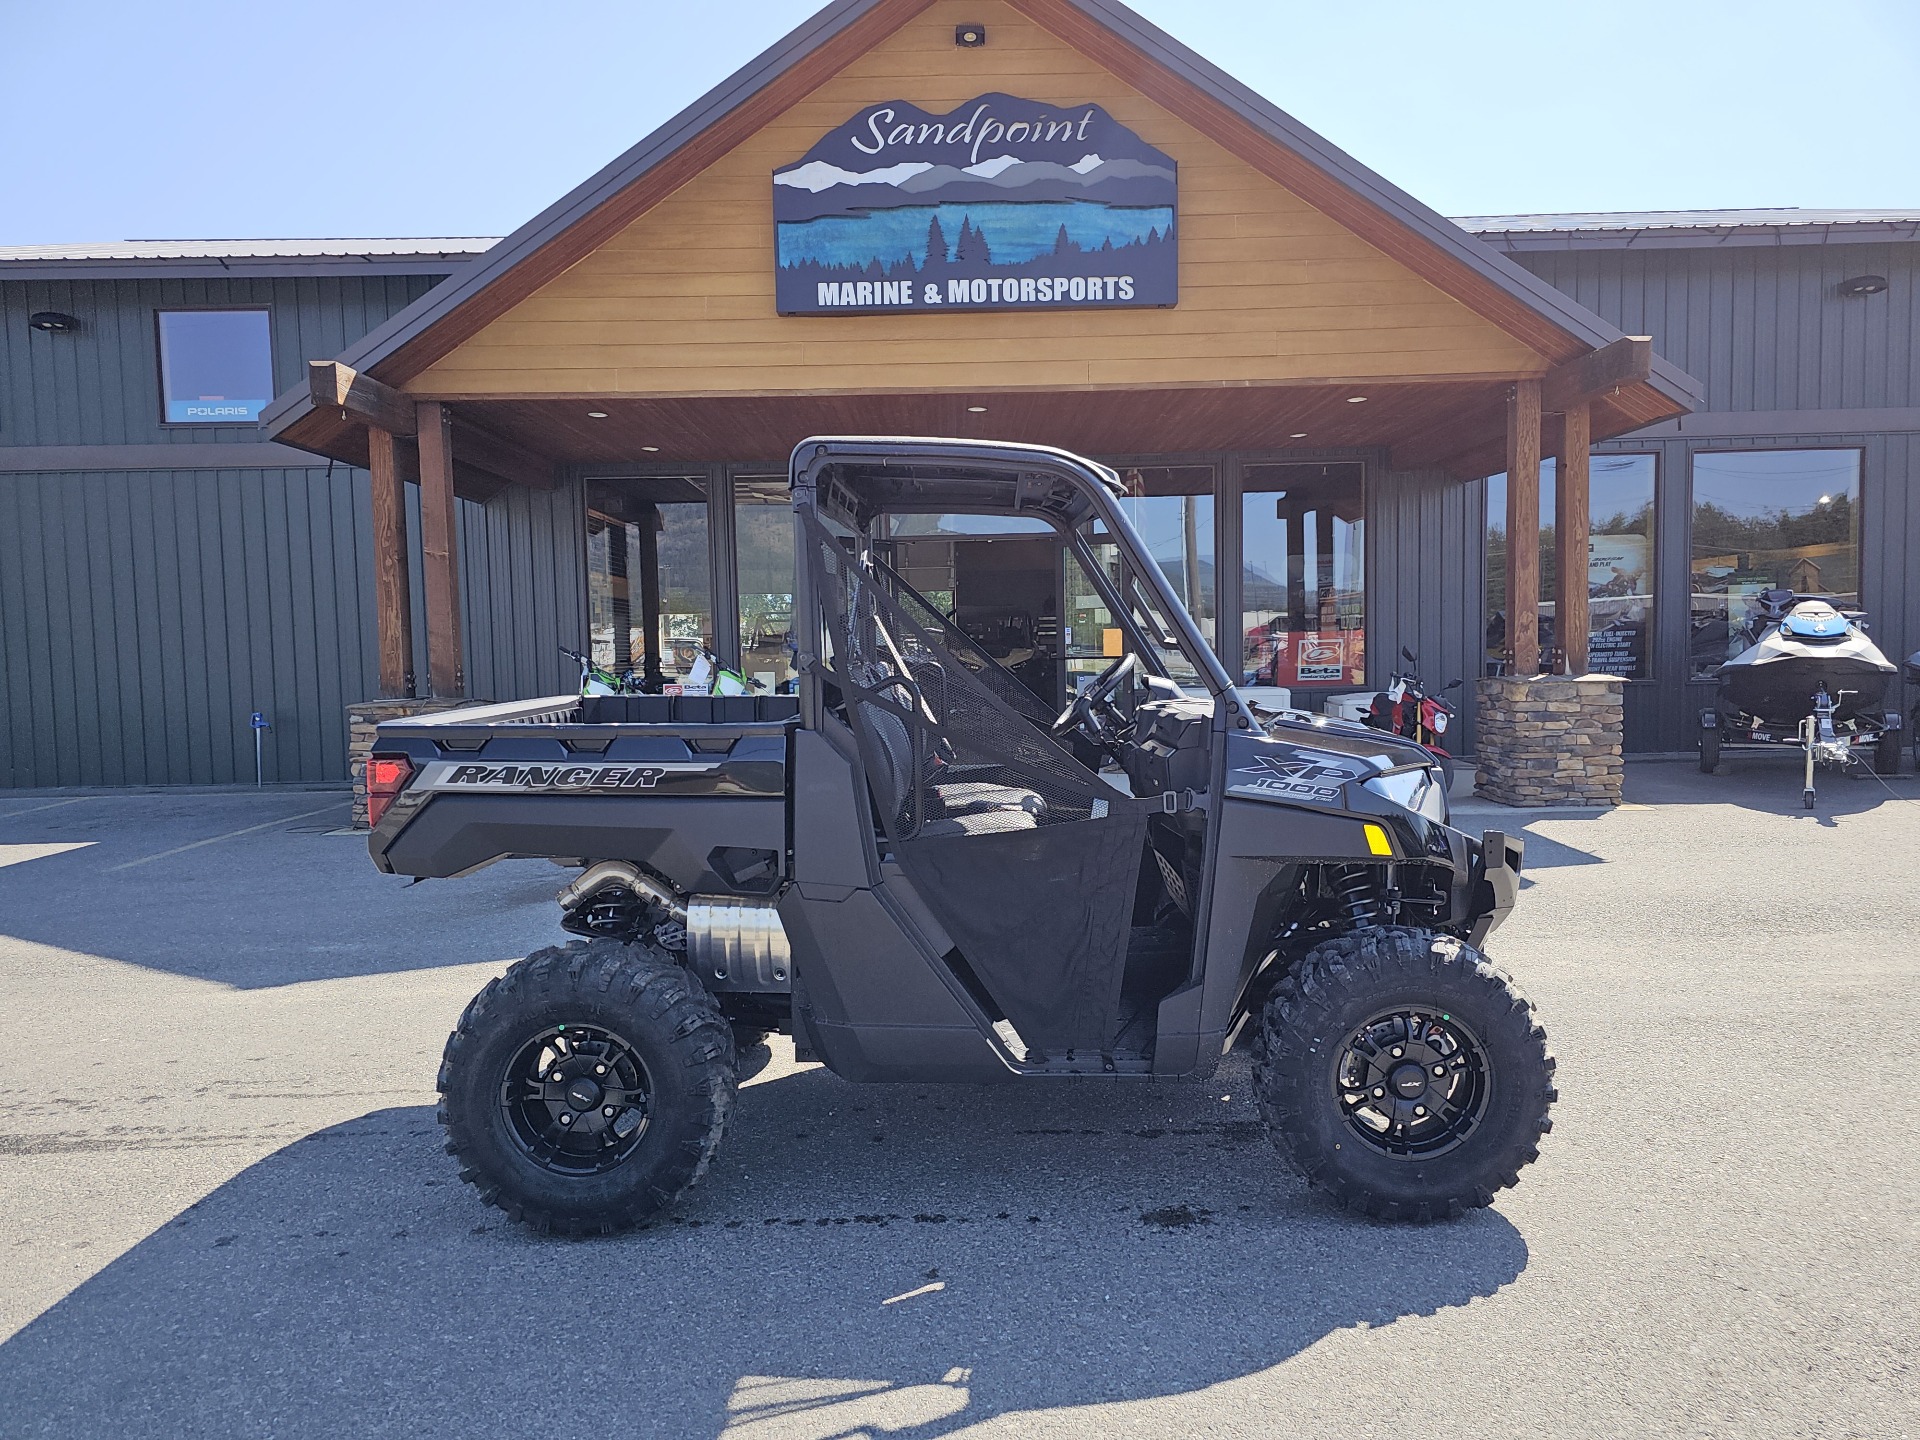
{"type": "Point", "coordinates": [392, 604]}
{"type": "Point", "coordinates": [439, 550]}
{"type": "Point", "coordinates": [1571, 518]}
{"type": "Point", "coordinates": [1627, 361]}
{"type": "Point", "coordinates": [484, 449]}
{"type": "Point", "coordinates": [1523, 526]}
{"type": "Point", "coordinates": [360, 397]}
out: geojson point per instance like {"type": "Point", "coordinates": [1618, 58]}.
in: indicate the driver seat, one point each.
{"type": "Point", "coordinates": [953, 799]}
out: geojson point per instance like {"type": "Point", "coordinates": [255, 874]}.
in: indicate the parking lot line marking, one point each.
{"type": "Point", "coordinates": [18, 854]}
{"type": "Point", "coordinates": [230, 835]}
{"type": "Point", "coordinates": [50, 805]}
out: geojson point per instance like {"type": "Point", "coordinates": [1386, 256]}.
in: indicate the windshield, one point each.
{"type": "Point", "coordinates": [1163, 650]}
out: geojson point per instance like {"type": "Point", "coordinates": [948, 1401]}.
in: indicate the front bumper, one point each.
{"type": "Point", "coordinates": [1495, 883]}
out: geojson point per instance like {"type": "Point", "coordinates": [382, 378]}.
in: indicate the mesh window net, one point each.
{"type": "Point", "coordinates": [1027, 857]}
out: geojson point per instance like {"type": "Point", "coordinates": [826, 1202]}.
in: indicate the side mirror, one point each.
{"type": "Point", "coordinates": [1455, 684]}
{"type": "Point", "coordinates": [1408, 656]}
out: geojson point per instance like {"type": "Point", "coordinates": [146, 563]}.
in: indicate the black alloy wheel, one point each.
{"type": "Point", "coordinates": [576, 1099]}
{"type": "Point", "coordinates": [1413, 1083]}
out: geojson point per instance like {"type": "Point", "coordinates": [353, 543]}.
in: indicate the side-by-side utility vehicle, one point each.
{"type": "Point", "coordinates": [925, 867]}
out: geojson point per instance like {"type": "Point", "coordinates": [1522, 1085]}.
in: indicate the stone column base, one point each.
{"type": "Point", "coordinates": [1550, 739]}
{"type": "Point", "coordinates": [362, 720]}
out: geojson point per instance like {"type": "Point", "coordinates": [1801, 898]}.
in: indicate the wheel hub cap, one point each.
{"type": "Point", "coordinates": [583, 1094]}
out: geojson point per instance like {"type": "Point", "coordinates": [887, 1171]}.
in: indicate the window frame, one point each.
{"type": "Point", "coordinates": [1595, 452]}
{"type": "Point", "coordinates": [160, 361]}
{"type": "Point", "coordinates": [1721, 448]}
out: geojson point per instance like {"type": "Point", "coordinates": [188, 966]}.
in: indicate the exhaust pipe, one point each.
{"type": "Point", "coordinates": [598, 876]}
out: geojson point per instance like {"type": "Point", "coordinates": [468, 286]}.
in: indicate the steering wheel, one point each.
{"type": "Point", "coordinates": [1092, 709]}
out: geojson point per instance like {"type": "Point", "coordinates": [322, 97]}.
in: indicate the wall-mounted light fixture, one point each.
{"type": "Point", "coordinates": [53, 322]}
{"type": "Point", "coordinates": [1863, 285]}
{"type": "Point", "coordinates": [970, 37]}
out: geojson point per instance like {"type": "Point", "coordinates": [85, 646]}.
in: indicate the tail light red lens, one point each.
{"type": "Point", "coordinates": [387, 776]}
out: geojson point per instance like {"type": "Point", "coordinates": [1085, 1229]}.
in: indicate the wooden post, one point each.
{"type": "Point", "coordinates": [1523, 527]}
{"type": "Point", "coordinates": [439, 550]}
{"type": "Point", "coordinates": [392, 604]}
{"type": "Point", "coordinates": [1572, 516]}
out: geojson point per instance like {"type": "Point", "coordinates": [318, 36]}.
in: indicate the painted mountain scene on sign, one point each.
{"type": "Point", "coordinates": [1001, 203]}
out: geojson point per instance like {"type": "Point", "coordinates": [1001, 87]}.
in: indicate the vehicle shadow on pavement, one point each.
{"type": "Point", "coordinates": [911, 1260]}
{"type": "Point", "coordinates": [249, 891]}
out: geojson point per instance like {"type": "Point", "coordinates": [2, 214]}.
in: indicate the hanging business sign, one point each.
{"type": "Point", "coordinates": [1000, 204]}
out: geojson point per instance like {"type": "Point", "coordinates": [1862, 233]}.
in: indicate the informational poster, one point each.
{"type": "Point", "coordinates": [998, 204]}
{"type": "Point", "coordinates": [1308, 657]}
{"type": "Point", "coordinates": [1616, 564]}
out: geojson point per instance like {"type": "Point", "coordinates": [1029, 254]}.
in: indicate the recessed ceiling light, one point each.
{"type": "Point", "coordinates": [1298, 435]}
{"type": "Point", "coordinates": [976, 409]}
{"type": "Point", "coordinates": [651, 449]}
{"type": "Point", "coordinates": [1356, 399]}
{"type": "Point", "coordinates": [596, 414]}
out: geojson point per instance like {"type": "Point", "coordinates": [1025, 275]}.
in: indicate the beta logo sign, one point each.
{"type": "Point", "coordinates": [999, 204]}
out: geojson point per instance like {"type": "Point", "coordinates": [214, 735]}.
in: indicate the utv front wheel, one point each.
{"type": "Point", "coordinates": [585, 1089]}
{"type": "Point", "coordinates": [1403, 1074]}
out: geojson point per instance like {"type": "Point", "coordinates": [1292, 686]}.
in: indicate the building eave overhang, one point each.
{"type": "Point", "coordinates": [1145, 56]}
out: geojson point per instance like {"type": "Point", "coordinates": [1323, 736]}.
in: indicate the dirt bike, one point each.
{"type": "Point", "coordinates": [1405, 708]}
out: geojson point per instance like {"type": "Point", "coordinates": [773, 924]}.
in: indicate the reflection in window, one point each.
{"type": "Point", "coordinates": [216, 366]}
{"type": "Point", "coordinates": [1619, 567]}
{"type": "Point", "coordinates": [1303, 589]}
{"type": "Point", "coordinates": [1765, 519]}
{"type": "Point", "coordinates": [763, 541]}
{"type": "Point", "coordinates": [648, 598]}
{"type": "Point", "coordinates": [1171, 508]}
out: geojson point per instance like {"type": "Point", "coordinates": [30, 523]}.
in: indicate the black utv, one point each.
{"type": "Point", "coordinates": [920, 871]}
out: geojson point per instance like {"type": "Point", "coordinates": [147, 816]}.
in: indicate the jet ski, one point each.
{"type": "Point", "coordinates": [1805, 646]}
{"type": "Point", "coordinates": [1810, 678]}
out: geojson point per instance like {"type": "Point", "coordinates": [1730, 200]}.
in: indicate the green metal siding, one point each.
{"type": "Point", "coordinates": [100, 385]}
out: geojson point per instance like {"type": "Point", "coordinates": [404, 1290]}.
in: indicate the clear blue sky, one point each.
{"type": "Point", "coordinates": [239, 118]}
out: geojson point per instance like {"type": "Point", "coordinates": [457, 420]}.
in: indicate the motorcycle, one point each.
{"type": "Point", "coordinates": [1405, 708]}
{"type": "Point", "coordinates": [596, 681]}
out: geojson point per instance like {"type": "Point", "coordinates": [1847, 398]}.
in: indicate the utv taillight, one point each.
{"type": "Point", "coordinates": [387, 776]}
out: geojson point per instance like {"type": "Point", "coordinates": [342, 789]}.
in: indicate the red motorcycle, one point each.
{"type": "Point", "coordinates": [1405, 708]}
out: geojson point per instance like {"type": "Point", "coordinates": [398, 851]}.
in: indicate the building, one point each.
{"type": "Point", "coordinates": [1305, 375]}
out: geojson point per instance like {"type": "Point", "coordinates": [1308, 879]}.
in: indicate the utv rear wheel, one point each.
{"type": "Point", "coordinates": [587, 1088]}
{"type": "Point", "coordinates": [1403, 1074]}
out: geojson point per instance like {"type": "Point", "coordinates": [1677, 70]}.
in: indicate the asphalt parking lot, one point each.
{"type": "Point", "coordinates": [224, 1209]}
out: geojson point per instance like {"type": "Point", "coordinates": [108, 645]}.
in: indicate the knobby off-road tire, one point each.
{"type": "Point", "coordinates": [1305, 1045]}
{"type": "Point", "coordinates": [1709, 750]}
{"type": "Point", "coordinates": [627, 1008]}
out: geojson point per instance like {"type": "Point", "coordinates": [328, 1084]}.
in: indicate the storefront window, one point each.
{"type": "Point", "coordinates": [1171, 507]}
{"type": "Point", "coordinates": [216, 366]}
{"type": "Point", "coordinates": [633, 528]}
{"type": "Point", "coordinates": [1303, 590]}
{"type": "Point", "coordinates": [763, 540]}
{"type": "Point", "coordinates": [1619, 566]}
{"type": "Point", "coordinates": [1769, 519]}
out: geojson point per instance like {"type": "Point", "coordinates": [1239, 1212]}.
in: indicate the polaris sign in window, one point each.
{"type": "Point", "coordinates": [216, 366]}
